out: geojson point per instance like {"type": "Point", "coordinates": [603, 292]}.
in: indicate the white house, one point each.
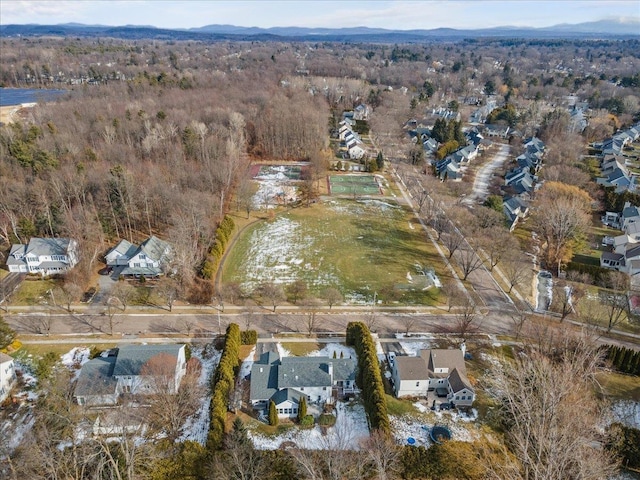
{"type": "Point", "coordinates": [442, 371]}
{"type": "Point", "coordinates": [133, 369]}
{"type": "Point", "coordinates": [7, 375]}
{"type": "Point", "coordinates": [149, 259]}
{"type": "Point", "coordinates": [46, 256]}
{"type": "Point", "coordinates": [285, 380]}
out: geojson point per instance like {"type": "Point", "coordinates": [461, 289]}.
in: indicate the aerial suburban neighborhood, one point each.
{"type": "Point", "coordinates": [319, 253]}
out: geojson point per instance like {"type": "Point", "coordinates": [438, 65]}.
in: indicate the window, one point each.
{"type": "Point", "coordinates": [417, 384]}
{"type": "Point", "coordinates": [302, 388]}
{"type": "Point", "coordinates": [295, 410]}
{"type": "Point", "coordinates": [142, 256]}
{"type": "Point", "coordinates": [457, 397]}
{"type": "Point", "coordinates": [324, 388]}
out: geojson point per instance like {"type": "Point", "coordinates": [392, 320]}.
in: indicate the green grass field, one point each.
{"type": "Point", "coordinates": [354, 185]}
{"type": "Point", "coordinates": [358, 247]}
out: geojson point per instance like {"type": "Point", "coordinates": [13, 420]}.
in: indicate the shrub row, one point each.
{"type": "Point", "coordinates": [624, 360]}
{"type": "Point", "coordinates": [248, 337]}
{"type": "Point", "coordinates": [596, 272]}
{"type": "Point", "coordinates": [223, 234]}
{"type": "Point", "coordinates": [222, 385]}
{"type": "Point", "coordinates": [369, 377]}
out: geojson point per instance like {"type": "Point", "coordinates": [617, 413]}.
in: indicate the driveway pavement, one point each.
{"type": "Point", "coordinates": [484, 174]}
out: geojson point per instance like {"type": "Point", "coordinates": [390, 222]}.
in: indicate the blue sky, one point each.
{"type": "Point", "coordinates": [393, 14]}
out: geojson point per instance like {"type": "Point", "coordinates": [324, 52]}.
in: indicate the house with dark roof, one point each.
{"type": "Point", "coordinates": [131, 369]}
{"type": "Point", "coordinates": [46, 256]}
{"type": "Point", "coordinates": [149, 259]}
{"type": "Point", "coordinates": [285, 380]}
{"type": "Point", "coordinates": [436, 369]}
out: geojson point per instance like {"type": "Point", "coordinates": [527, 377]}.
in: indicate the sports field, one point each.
{"type": "Point", "coordinates": [359, 247]}
{"type": "Point", "coordinates": [277, 172]}
{"type": "Point", "coordinates": [354, 185]}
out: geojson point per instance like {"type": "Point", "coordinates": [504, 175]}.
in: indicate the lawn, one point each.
{"type": "Point", "coordinates": [33, 292]}
{"type": "Point", "coordinates": [619, 387]}
{"type": "Point", "coordinates": [300, 349]}
{"type": "Point", "coordinates": [359, 247]}
{"type": "Point", "coordinates": [400, 407]}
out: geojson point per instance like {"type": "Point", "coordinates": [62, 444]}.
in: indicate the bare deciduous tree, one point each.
{"type": "Point", "coordinates": [272, 292]}
{"type": "Point", "coordinates": [553, 414]}
{"type": "Point", "coordinates": [332, 296]}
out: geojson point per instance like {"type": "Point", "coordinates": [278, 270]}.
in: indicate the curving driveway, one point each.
{"type": "Point", "coordinates": [484, 174]}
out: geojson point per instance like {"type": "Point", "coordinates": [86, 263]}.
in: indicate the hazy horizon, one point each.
{"type": "Point", "coordinates": [389, 14]}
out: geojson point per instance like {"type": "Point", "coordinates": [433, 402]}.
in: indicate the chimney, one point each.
{"type": "Point", "coordinates": [331, 371]}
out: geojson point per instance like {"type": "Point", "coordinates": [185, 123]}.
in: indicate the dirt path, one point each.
{"type": "Point", "coordinates": [483, 177]}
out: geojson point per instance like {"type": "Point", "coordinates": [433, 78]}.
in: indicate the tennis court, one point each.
{"type": "Point", "coordinates": [354, 185]}
{"type": "Point", "coordinates": [277, 172]}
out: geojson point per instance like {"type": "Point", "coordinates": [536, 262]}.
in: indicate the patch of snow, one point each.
{"type": "Point", "coordinates": [413, 348]}
{"type": "Point", "coordinates": [247, 363]}
{"type": "Point", "coordinates": [348, 433]}
{"type": "Point", "coordinates": [330, 348]}
{"type": "Point", "coordinates": [283, 352]}
{"type": "Point", "coordinates": [626, 412]}
{"type": "Point", "coordinates": [75, 358]}
{"type": "Point", "coordinates": [421, 407]}
{"type": "Point", "coordinates": [196, 427]}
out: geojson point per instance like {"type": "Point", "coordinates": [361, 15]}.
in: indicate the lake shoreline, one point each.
{"type": "Point", "coordinates": [8, 113]}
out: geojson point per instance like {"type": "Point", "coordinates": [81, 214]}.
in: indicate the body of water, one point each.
{"type": "Point", "coordinates": [17, 96]}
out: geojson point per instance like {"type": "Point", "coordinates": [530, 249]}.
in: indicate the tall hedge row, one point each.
{"type": "Point", "coordinates": [215, 253]}
{"type": "Point", "coordinates": [222, 385]}
{"type": "Point", "coordinates": [624, 359]}
{"type": "Point", "coordinates": [368, 376]}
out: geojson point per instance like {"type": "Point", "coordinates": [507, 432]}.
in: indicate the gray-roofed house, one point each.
{"type": "Point", "coordinates": [150, 259]}
{"type": "Point", "coordinates": [135, 369]}
{"type": "Point", "coordinates": [434, 369]}
{"type": "Point", "coordinates": [46, 256]}
{"type": "Point", "coordinates": [285, 380]}
{"type": "Point", "coordinates": [7, 375]}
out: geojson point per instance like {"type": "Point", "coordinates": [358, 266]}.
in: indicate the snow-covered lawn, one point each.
{"type": "Point", "coordinates": [418, 426]}
{"type": "Point", "coordinates": [273, 187]}
{"type": "Point", "coordinates": [412, 347]}
{"type": "Point", "coordinates": [247, 363]}
{"type": "Point", "coordinates": [74, 359]}
{"type": "Point", "coordinates": [197, 426]}
{"type": "Point", "coordinates": [626, 412]}
{"type": "Point", "coordinates": [330, 348]}
{"type": "Point", "coordinates": [348, 432]}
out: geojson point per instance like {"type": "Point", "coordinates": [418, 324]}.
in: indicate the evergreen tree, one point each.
{"type": "Point", "coordinates": [380, 161]}
{"type": "Point", "coordinates": [7, 335]}
{"type": "Point", "coordinates": [273, 414]}
{"type": "Point", "coordinates": [302, 408]}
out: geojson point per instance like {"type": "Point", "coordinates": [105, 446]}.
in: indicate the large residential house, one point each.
{"type": "Point", "coordinates": [351, 140]}
{"type": "Point", "coordinates": [625, 252]}
{"type": "Point", "coordinates": [46, 256]}
{"type": "Point", "coordinates": [131, 369]}
{"type": "Point", "coordinates": [149, 259]}
{"type": "Point", "coordinates": [442, 371]}
{"type": "Point", "coordinates": [285, 380]}
{"type": "Point", "coordinates": [7, 375]}
{"type": "Point", "coordinates": [615, 172]}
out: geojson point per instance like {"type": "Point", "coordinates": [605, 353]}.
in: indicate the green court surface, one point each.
{"type": "Point", "coordinates": [354, 185]}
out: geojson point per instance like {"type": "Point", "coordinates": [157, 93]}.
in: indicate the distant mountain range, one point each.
{"type": "Point", "coordinates": [612, 29]}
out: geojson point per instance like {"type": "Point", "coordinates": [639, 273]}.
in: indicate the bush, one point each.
{"type": "Point", "coordinates": [624, 442]}
{"type": "Point", "coordinates": [248, 337]}
{"type": "Point", "coordinates": [307, 421]}
{"type": "Point", "coordinates": [326, 420]}
{"type": "Point", "coordinates": [369, 377]}
{"type": "Point", "coordinates": [223, 382]}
